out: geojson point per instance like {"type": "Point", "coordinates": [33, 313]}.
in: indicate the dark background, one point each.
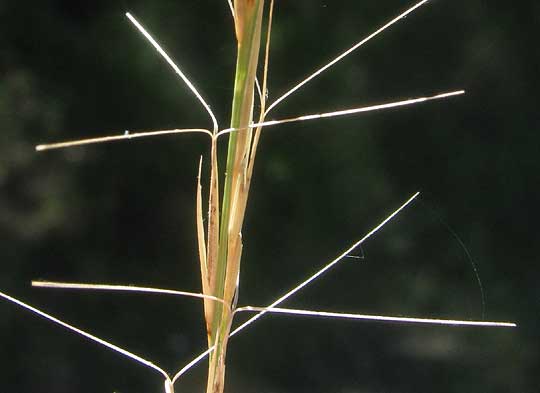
{"type": "Point", "coordinates": [124, 212]}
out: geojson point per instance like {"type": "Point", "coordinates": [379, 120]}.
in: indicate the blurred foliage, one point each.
{"type": "Point", "coordinates": [124, 213]}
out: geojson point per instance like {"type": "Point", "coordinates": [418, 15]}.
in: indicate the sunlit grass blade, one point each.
{"type": "Point", "coordinates": [83, 333]}
{"type": "Point", "coordinates": [376, 318]}
{"type": "Point", "coordinates": [345, 54]}
{"type": "Point", "coordinates": [176, 69]}
{"type": "Point", "coordinates": [126, 135]}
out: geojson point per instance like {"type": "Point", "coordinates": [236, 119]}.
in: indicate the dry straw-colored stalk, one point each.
{"type": "Point", "coordinates": [220, 242]}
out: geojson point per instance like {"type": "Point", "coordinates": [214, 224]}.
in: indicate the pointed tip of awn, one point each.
{"type": "Point", "coordinates": [450, 94]}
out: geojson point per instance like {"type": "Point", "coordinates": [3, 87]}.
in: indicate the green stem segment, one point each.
{"type": "Point", "coordinates": [248, 20]}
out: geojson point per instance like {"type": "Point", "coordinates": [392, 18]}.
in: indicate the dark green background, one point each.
{"type": "Point", "coordinates": [124, 212]}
